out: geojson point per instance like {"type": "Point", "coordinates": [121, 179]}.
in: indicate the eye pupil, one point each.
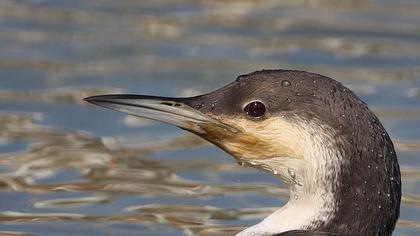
{"type": "Point", "coordinates": [255, 109]}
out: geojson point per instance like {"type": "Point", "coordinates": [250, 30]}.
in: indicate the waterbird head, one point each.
{"type": "Point", "coordinates": [307, 129]}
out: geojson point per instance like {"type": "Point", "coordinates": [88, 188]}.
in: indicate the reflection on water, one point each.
{"type": "Point", "coordinates": [69, 169]}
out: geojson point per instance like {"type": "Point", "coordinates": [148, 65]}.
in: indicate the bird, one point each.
{"type": "Point", "coordinates": [309, 131]}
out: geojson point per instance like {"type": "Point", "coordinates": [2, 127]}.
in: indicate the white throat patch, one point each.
{"type": "Point", "coordinates": [312, 175]}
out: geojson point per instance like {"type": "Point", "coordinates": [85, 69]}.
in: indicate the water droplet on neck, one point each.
{"type": "Point", "coordinates": [380, 207]}
{"type": "Point", "coordinates": [369, 166]}
{"type": "Point", "coordinates": [285, 83]}
{"type": "Point", "coordinates": [296, 197]}
{"type": "Point", "coordinates": [297, 94]}
{"type": "Point", "coordinates": [288, 100]}
{"type": "Point", "coordinates": [275, 172]}
{"type": "Point", "coordinates": [291, 173]}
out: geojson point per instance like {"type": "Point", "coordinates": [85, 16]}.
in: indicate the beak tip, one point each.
{"type": "Point", "coordinates": [88, 100]}
{"type": "Point", "coordinates": [91, 99]}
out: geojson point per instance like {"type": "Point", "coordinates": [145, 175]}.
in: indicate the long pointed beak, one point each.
{"type": "Point", "coordinates": [172, 111]}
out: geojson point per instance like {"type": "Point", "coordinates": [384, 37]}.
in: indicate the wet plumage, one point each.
{"type": "Point", "coordinates": [308, 130]}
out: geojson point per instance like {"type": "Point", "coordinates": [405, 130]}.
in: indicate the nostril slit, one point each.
{"type": "Point", "coordinates": [167, 103]}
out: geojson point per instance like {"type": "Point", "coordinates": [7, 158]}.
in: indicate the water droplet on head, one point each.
{"type": "Point", "coordinates": [288, 100]}
{"type": "Point", "coordinates": [275, 172]}
{"type": "Point", "coordinates": [380, 207]}
{"type": "Point", "coordinates": [366, 182]}
{"type": "Point", "coordinates": [285, 83]}
{"type": "Point", "coordinates": [332, 90]}
{"type": "Point", "coordinates": [388, 195]}
{"type": "Point", "coordinates": [379, 192]}
{"type": "Point", "coordinates": [241, 77]}
{"type": "Point", "coordinates": [296, 197]}
{"type": "Point", "coordinates": [383, 133]}
{"type": "Point", "coordinates": [369, 166]}
{"type": "Point", "coordinates": [297, 94]}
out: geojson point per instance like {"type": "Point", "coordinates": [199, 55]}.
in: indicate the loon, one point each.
{"type": "Point", "coordinates": [308, 130]}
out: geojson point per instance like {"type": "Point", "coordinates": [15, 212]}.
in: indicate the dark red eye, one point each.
{"type": "Point", "coordinates": [255, 109]}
